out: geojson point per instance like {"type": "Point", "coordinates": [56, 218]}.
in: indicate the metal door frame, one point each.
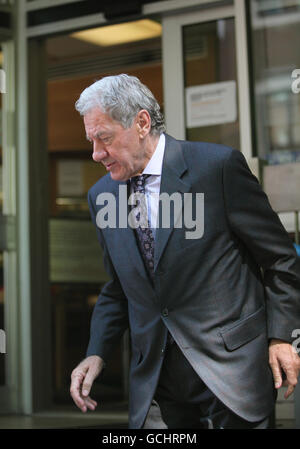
{"type": "Point", "coordinates": [173, 76]}
{"type": "Point", "coordinates": [23, 309]}
{"type": "Point", "coordinates": [35, 378]}
{"type": "Point", "coordinates": [9, 391]}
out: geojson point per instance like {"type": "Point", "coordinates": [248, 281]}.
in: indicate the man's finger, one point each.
{"type": "Point", "coordinates": [84, 403]}
{"type": "Point", "coordinates": [276, 373]}
{"type": "Point", "coordinates": [289, 391]}
{"type": "Point", "coordinates": [79, 401]}
{"type": "Point", "coordinates": [90, 376]}
{"type": "Point", "coordinates": [88, 381]}
{"type": "Point", "coordinates": [91, 404]}
{"type": "Point", "coordinates": [92, 401]}
{"type": "Point", "coordinates": [77, 378]}
{"type": "Point", "coordinates": [291, 380]}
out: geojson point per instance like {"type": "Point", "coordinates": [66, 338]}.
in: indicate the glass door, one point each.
{"type": "Point", "coordinates": [205, 76]}
{"type": "Point", "coordinates": [2, 331]}
{"type": "Point", "coordinates": [3, 243]}
{"type": "Point", "coordinates": [210, 82]}
{"type": "Point", "coordinates": [8, 266]}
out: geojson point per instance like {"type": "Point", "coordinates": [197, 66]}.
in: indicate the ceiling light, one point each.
{"type": "Point", "coordinates": [120, 33]}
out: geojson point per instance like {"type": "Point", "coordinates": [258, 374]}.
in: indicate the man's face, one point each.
{"type": "Point", "coordinates": [120, 150]}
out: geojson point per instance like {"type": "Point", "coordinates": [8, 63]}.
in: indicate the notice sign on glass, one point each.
{"type": "Point", "coordinates": [75, 254]}
{"type": "Point", "coordinates": [70, 178]}
{"type": "Point", "coordinates": [211, 104]}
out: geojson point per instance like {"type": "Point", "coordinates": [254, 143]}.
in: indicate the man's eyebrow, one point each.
{"type": "Point", "coordinates": [98, 135]}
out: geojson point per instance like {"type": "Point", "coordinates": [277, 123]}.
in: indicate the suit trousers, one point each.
{"type": "Point", "coordinates": [183, 401]}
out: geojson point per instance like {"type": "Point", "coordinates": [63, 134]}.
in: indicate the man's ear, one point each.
{"type": "Point", "coordinates": [143, 123]}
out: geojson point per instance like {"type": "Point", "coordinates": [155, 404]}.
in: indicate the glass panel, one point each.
{"type": "Point", "coordinates": [2, 342]}
{"type": "Point", "coordinates": [2, 339]}
{"type": "Point", "coordinates": [275, 32]}
{"type": "Point", "coordinates": [1, 176]}
{"type": "Point", "coordinates": [210, 82]}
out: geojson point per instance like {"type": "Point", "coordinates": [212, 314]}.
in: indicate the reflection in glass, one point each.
{"type": "Point", "coordinates": [209, 60]}
{"type": "Point", "coordinates": [275, 33]}
{"type": "Point", "coordinates": [2, 328]}
{"type": "Point", "coordinates": [2, 355]}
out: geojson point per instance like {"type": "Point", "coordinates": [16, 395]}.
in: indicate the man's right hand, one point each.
{"type": "Point", "coordinates": [82, 379]}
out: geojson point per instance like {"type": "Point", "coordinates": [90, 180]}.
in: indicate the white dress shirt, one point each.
{"type": "Point", "coordinates": [152, 183]}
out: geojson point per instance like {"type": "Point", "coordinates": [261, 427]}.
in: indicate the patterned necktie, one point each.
{"type": "Point", "coordinates": [144, 234]}
{"type": "Point", "coordinates": [143, 231]}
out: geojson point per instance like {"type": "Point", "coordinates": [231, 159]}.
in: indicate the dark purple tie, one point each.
{"type": "Point", "coordinates": [144, 233]}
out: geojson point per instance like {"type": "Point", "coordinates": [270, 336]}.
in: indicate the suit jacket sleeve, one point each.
{"type": "Point", "coordinates": [110, 314]}
{"type": "Point", "coordinates": [253, 220]}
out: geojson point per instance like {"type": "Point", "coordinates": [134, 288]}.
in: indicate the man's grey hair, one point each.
{"type": "Point", "coordinates": [121, 97]}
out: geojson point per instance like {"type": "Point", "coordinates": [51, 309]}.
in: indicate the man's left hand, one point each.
{"type": "Point", "coordinates": [282, 356]}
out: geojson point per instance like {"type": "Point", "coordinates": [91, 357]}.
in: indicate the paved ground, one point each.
{"type": "Point", "coordinates": [117, 419]}
{"type": "Point", "coordinates": [115, 416]}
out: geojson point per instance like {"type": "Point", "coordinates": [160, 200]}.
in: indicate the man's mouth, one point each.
{"type": "Point", "coordinates": [108, 166]}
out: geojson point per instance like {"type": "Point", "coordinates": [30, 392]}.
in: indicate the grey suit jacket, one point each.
{"type": "Point", "coordinates": [222, 296]}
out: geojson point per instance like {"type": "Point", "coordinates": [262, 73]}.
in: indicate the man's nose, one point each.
{"type": "Point", "coordinates": [99, 152]}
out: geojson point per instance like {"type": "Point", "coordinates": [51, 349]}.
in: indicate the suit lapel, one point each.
{"type": "Point", "coordinates": [173, 169]}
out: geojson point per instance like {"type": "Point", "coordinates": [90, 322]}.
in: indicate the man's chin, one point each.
{"type": "Point", "coordinates": [118, 177]}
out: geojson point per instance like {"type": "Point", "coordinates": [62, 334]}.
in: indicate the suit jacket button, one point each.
{"type": "Point", "coordinates": [165, 312]}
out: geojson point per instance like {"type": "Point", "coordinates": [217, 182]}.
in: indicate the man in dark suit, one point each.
{"type": "Point", "coordinates": [210, 318]}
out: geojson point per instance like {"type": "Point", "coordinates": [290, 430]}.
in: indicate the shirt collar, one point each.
{"type": "Point", "coordinates": [154, 166]}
